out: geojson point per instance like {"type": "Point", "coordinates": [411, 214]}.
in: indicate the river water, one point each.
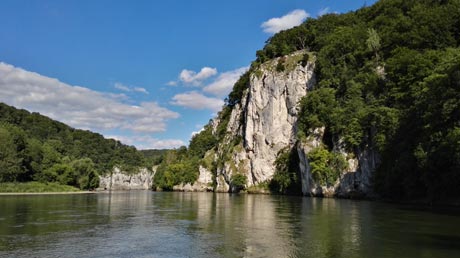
{"type": "Point", "coordinates": [161, 224]}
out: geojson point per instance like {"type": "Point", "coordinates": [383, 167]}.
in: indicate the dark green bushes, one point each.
{"type": "Point", "coordinates": [238, 182]}
{"type": "Point", "coordinates": [326, 166]}
{"type": "Point", "coordinates": [286, 179]}
{"type": "Point", "coordinates": [182, 165]}
{"type": "Point", "coordinates": [387, 80]}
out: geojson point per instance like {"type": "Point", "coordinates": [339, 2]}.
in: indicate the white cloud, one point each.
{"type": "Point", "coordinates": [196, 132]}
{"type": "Point", "coordinates": [171, 83]}
{"type": "Point", "coordinates": [78, 106]}
{"type": "Point", "coordinates": [144, 142]}
{"type": "Point", "coordinates": [224, 82]}
{"type": "Point", "coordinates": [323, 11]}
{"type": "Point", "coordinates": [287, 21]}
{"type": "Point", "coordinates": [192, 77]}
{"type": "Point", "coordinates": [197, 100]}
{"type": "Point", "coordinates": [123, 87]}
{"type": "Point", "coordinates": [141, 90]}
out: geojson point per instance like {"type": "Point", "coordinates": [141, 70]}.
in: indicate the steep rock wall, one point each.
{"type": "Point", "coordinates": [120, 180]}
{"type": "Point", "coordinates": [202, 184]}
{"type": "Point", "coordinates": [355, 180]}
{"type": "Point", "coordinates": [264, 122]}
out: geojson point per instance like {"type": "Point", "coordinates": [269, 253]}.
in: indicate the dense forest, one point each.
{"type": "Point", "coordinates": [34, 147]}
{"type": "Point", "coordinates": [388, 76]}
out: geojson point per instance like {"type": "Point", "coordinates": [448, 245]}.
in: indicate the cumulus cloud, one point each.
{"type": "Point", "coordinates": [145, 142]}
{"type": "Point", "coordinates": [78, 106]}
{"type": "Point", "coordinates": [122, 87]}
{"type": "Point", "coordinates": [285, 22]}
{"type": "Point", "coordinates": [194, 78]}
{"type": "Point", "coordinates": [197, 100]}
{"type": "Point", "coordinates": [221, 86]}
{"type": "Point", "coordinates": [323, 11]}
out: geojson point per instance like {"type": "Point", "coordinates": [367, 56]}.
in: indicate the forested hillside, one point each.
{"type": "Point", "coordinates": [36, 148]}
{"type": "Point", "coordinates": [388, 78]}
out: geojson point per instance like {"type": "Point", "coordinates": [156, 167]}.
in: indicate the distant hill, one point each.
{"type": "Point", "coordinates": [154, 156]}
{"type": "Point", "coordinates": [34, 147]}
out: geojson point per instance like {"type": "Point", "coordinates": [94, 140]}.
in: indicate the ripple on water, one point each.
{"type": "Point", "coordinates": [146, 224]}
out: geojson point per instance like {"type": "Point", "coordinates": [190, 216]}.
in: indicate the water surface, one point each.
{"type": "Point", "coordinates": [151, 224]}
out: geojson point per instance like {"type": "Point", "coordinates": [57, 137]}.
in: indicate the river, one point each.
{"type": "Point", "coordinates": [163, 224]}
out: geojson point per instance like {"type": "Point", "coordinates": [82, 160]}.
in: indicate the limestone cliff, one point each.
{"type": "Point", "coordinates": [120, 180]}
{"type": "Point", "coordinates": [202, 184]}
{"type": "Point", "coordinates": [264, 123]}
{"type": "Point", "coordinates": [353, 181]}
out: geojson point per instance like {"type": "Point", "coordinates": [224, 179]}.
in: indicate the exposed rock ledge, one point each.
{"type": "Point", "coordinates": [120, 180]}
{"type": "Point", "coordinates": [202, 184]}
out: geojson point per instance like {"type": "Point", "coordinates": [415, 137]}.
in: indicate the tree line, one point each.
{"type": "Point", "coordinates": [34, 147]}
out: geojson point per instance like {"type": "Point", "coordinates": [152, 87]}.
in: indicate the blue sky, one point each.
{"type": "Point", "coordinates": [149, 73]}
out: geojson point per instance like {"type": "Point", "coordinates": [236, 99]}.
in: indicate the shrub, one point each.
{"type": "Point", "coordinates": [238, 182]}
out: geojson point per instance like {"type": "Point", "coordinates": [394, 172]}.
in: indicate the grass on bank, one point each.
{"type": "Point", "coordinates": [35, 187]}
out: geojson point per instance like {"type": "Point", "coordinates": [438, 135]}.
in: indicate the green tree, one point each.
{"type": "Point", "coordinates": [10, 159]}
{"type": "Point", "coordinates": [85, 174]}
{"type": "Point", "coordinates": [238, 182]}
{"type": "Point", "coordinates": [326, 166]}
{"type": "Point", "coordinates": [286, 179]}
{"type": "Point", "coordinates": [373, 42]}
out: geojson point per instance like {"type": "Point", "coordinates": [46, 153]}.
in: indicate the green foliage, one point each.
{"type": "Point", "coordinates": [237, 92]}
{"type": "Point", "coordinates": [305, 59]}
{"type": "Point", "coordinates": [11, 157]}
{"type": "Point", "coordinates": [280, 67]}
{"type": "Point", "coordinates": [85, 174]}
{"type": "Point", "coordinates": [373, 42]}
{"type": "Point", "coordinates": [427, 90]}
{"type": "Point", "coordinates": [34, 147]}
{"type": "Point", "coordinates": [326, 166]}
{"type": "Point", "coordinates": [317, 109]}
{"type": "Point", "coordinates": [177, 167]}
{"type": "Point", "coordinates": [388, 79]}
{"type": "Point", "coordinates": [153, 157]}
{"type": "Point", "coordinates": [182, 165]}
{"type": "Point", "coordinates": [286, 179]}
{"type": "Point", "coordinates": [224, 117]}
{"type": "Point", "coordinates": [202, 142]}
{"type": "Point", "coordinates": [238, 182]}
{"type": "Point", "coordinates": [35, 187]}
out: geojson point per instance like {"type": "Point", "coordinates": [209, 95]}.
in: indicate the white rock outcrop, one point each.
{"type": "Point", "coordinates": [264, 120]}
{"type": "Point", "coordinates": [203, 183]}
{"type": "Point", "coordinates": [354, 181]}
{"type": "Point", "coordinates": [120, 180]}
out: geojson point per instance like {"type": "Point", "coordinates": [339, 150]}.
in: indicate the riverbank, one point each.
{"type": "Point", "coordinates": [36, 188]}
{"type": "Point", "coordinates": [46, 193]}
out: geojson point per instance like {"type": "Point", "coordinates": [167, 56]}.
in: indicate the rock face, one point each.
{"type": "Point", "coordinates": [120, 180]}
{"type": "Point", "coordinates": [264, 122]}
{"type": "Point", "coordinates": [355, 180]}
{"type": "Point", "coordinates": [203, 183]}
{"type": "Point", "coordinates": [271, 115]}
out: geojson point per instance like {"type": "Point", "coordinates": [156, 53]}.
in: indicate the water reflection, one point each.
{"type": "Point", "coordinates": [148, 224]}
